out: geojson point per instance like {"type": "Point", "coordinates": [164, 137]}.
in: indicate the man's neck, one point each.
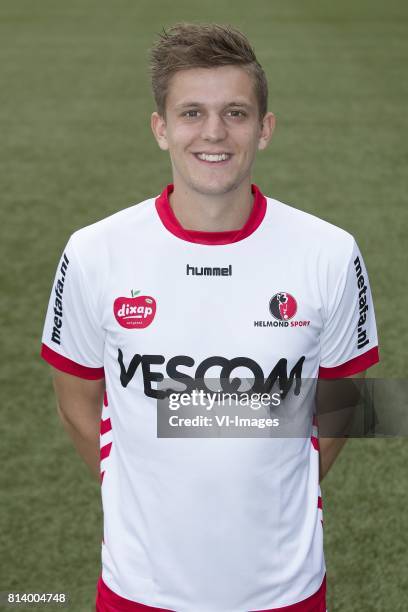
{"type": "Point", "coordinates": [208, 213]}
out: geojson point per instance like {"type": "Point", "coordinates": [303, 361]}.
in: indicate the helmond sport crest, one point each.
{"type": "Point", "coordinates": [283, 306]}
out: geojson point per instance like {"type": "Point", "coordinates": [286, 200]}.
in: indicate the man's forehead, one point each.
{"type": "Point", "coordinates": [221, 86]}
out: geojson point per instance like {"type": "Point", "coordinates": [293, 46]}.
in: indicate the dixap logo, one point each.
{"type": "Point", "coordinates": [136, 312]}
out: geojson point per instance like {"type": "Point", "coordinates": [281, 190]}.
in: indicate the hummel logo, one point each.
{"type": "Point", "coordinates": [195, 271]}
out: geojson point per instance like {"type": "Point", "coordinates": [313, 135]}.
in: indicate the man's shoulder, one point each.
{"type": "Point", "coordinates": [130, 221]}
{"type": "Point", "coordinates": [308, 229]}
{"type": "Point", "coordinates": [136, 213]}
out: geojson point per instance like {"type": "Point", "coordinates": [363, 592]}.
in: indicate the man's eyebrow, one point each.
{"type": "Point", "coordinates": [198, 104]}
{"type": "Point", "coordinates": [187, 104]}
{"type": "Point", "coordinates": [241, 104]}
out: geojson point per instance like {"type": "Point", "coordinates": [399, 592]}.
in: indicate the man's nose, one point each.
{"type": "Point", "coordinates": [213, 128]}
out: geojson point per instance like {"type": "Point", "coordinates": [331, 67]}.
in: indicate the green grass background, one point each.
{"type": "Point", "coordinates": [76, 146]}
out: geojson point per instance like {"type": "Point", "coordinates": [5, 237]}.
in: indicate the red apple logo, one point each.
{"type": "Point", "coordinates": [134, 312]}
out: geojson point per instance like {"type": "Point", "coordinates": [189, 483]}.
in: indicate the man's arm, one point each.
{"type": "Point", "coordinates": [329, 451]}
{"type": "Point", "coordinates": [79, 405]}
{"type": "Point", "coordinates": [330, 447]}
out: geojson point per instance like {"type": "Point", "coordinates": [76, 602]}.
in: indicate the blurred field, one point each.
{"type": "Point", "coordinates": [76, 146]}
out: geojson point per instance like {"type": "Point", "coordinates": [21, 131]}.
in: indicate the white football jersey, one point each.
{"type": "Point", "coordinates": [210, 524]}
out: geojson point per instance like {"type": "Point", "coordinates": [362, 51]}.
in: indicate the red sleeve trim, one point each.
{"type": "Point", "coordinates": [354, 366]}
{"type": "Point", "coordinates": [70, 367]}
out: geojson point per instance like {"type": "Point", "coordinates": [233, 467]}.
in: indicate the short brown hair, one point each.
{"type": "Point", "coordinates": [189, 45]}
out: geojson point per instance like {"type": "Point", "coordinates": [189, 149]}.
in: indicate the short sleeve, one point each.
{"type": "Point", "coordinates": [73, 340]}
{"type": "Point", "coordinates": [349, 342]}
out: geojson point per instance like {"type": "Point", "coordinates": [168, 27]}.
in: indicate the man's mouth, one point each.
{"type": "Point", "coordinates": [213, 158]}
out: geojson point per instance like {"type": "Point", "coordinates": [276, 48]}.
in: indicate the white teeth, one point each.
{"type": "Point", "coordinates": [213, 158]}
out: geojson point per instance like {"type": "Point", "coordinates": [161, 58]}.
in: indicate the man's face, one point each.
{"type": "Point", "coordinates": [212, 128]}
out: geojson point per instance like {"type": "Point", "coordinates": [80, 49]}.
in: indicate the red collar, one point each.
{"type": "Point", "coordinates": [170, 221]}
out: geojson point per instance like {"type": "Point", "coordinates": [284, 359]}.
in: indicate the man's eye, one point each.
{"type": "Point", "coordinates": [190, 113]}
{"type": "Point", "coordinates": [237, 113]}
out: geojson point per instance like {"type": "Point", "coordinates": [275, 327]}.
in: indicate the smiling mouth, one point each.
{"type": "Point", "coordinates": [213, 158]}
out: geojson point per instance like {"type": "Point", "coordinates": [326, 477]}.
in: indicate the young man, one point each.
{"type": "Point", "coordinates": [211, 279]}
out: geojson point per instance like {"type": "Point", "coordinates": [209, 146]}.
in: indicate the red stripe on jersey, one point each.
{"type": "Point", "coordinates": [70, 367]}
{"type": "Point", "coordinates": [171, 222]}
{"type": "Point", "coordinates": [315, 442]}
{"type": "Point", "coordinates": [354, 366]}
{"type": "Point", "coordinates": [102, 475]}
{"type": "Point", "coordinates": [320, 503]}
{"type": "Point", "coordinates": [105, 450]}
{"type": "Point", "coordinates": [105, 399]}
{"type": "Point", "coordinates": [108, 601]}
{"type": "Point", "coordinates": [105, 426]}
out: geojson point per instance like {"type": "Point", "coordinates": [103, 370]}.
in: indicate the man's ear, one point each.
{"type": "Point", "coordinates": [158, 125]}
{"type": "Point", "coordinates": [267, 128]}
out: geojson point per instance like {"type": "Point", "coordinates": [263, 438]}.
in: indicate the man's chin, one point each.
{"type": "Point", "coordinates": [216, 188]}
